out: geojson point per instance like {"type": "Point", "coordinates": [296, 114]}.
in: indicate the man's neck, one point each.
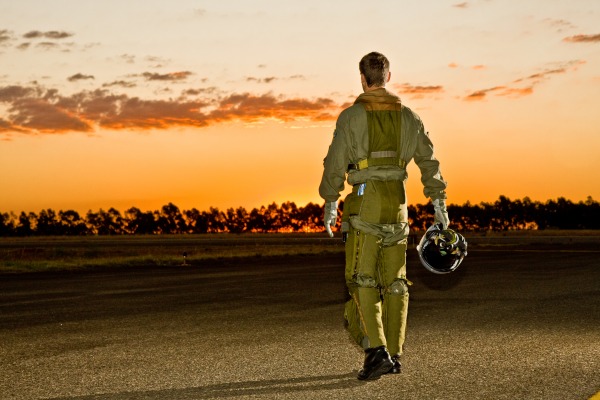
{"type": "Point", "coordinates": [372, 88]}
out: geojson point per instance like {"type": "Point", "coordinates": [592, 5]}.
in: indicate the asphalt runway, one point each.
{"type": "Point", "coordinates": [506, 325]}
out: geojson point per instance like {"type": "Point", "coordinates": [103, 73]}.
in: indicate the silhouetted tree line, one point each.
{"type": "Point", "coordinates": [503, 214]}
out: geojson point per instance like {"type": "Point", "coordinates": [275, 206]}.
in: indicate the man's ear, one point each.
{"type": "Point", "coordinates": [388, 77]}
{"type": "Point", "coordinates": [363, 80]}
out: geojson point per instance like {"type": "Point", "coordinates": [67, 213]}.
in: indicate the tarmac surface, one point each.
{"type": "Point", "coordinates": [520, 324]}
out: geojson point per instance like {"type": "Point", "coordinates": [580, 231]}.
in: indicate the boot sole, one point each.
{"type": "Point", "coordinates": [377, 372]}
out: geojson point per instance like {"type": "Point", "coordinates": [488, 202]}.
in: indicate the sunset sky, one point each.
{"type": "Point", "coordinates": [233, 103]}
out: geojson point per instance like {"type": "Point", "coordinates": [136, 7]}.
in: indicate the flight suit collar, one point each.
{"type": "Point", "coordinates": [377, 96]}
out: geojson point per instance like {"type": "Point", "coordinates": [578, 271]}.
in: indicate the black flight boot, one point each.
{"type": "Point", "coordinates": [397, 367]}
{"type": "Point", "coordinates": [377, 363]}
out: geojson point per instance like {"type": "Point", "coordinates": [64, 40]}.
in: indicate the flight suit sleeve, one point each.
{"type": "Point", "coordinates": [336, 161]}
{"type": "Point", "coordinates": [434, 185]}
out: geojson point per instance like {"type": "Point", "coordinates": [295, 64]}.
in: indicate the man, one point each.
{"type": "Point", "coordinates": [374, 140]}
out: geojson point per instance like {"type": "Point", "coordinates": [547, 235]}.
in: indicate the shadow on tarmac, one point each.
{"type": "Point", "coordinates": [236, 389]}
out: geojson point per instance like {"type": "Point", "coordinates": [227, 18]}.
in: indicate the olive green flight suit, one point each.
{"type": "Point", "coordinates": [373, 142]}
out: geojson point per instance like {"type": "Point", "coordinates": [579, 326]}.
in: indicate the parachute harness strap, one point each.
{"type": "Point", "coordinates": [379, 158]}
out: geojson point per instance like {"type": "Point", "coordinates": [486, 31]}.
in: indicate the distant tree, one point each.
{"type": "Point", "coordinates": [272, 218]}
{"type": "Point", "coordinates": [503, 214]}
{"type": "Point", "coordinates": [256, 221]}
{"type": "Point", "coordinates": [6, 225]}
{"type": "Point", "coordinates": [48, 223]}
{"type": "Point", "coordinates": [71, 223]}
{"type": "Point", "coordinates": [196, 221]}
{"type": "Point", "coordinates": [215, 220]}
{"type": "Point", "coordinates": [26, 224]}
{"type": "Point", "coordinates": [170, 220]}
{"type": "Point", "coordinates": [105, 222]}
{"type": "Point", "coordinates": [591, 213]}
{"type": "Point", "coordinates": [288, 216]}
{"type": "Point", "coordinates": [311, 217]}
{"type": "Point", "coordinates": [235, 221]}
{"type": "Point", "coordinates": [139, 222]}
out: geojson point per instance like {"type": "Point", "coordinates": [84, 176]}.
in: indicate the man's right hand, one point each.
{"type": "Point", "coordinates": [440, 213]}
{"type": "Point", "coordinates": [330, 216]}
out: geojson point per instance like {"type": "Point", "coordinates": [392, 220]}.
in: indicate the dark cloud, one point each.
{"type": "Point", "coordinates": [5, 36]}
{"type": "Point", "coordinates": [13, 93]}
{"type": "Point", "coordinates": [79, 77]}
{"type": "Point", "coordinates": [461, 5]}
{"type": "Point", "coordinates": [171, 76]}
{"type": "Point", "coordinates": [23, 46]}
{"type": "Point", "coordinates": [47, 35]}
{"type": "Point", "coordinates": [123, 84]}
{"type": "Point", "coordinates": [251, 107]}
{"type": "Point", "coordinates": [200, 91]}
{"type": "Point", "coordinates": [583, 39]}
{"type": "Point", "coordinates": [34, 109]}
{"type": "Point", "coordinates": [268, 79]}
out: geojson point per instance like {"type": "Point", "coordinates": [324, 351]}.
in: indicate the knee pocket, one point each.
{"type": "Point", "coordinates": [399, 287]}
{"type": "Point", "coordinates": [365, 281]}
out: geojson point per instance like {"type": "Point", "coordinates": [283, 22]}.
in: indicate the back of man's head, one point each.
{"type": "Point", "coordinates": [375, 67]}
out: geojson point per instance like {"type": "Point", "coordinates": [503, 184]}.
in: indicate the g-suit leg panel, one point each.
{"type": "Point", "coordinates": [362, 251]}
{"type": "Point", "coordinates": [395, 296]}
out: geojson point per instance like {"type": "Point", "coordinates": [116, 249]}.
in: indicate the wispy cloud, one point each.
{"type": "Point", "coordinates": [461, 5]}
{"type": "Point", "coordinates": [475, 67]}
{"type": "Point", "coordinates": [525, 86]}
{"type": "Point", "coordinates": [480, 94]}
{"type": "Point", "coordinates": [128, 58]}
{"type": "Point", "coordinates": [559, 69]}
{"type": "Point", "coordinates": [34, 109]}
{"type": "Point", "coordinates": [500, 91]}
{"type": "Point", "coordinates": [583, 39]}
{"type": "Point", "coordinates": [559, 25]}
{"type": "Point", "coordinates": [418, 91]}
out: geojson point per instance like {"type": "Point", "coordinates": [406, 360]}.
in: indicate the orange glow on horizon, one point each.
{"type": "Point", "coordinates": [93, 119]}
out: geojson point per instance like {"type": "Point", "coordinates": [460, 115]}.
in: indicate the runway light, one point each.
{"type": "Point", "coordinates": [184, 258]}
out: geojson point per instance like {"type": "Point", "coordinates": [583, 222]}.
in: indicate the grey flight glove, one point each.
{"type": "Point", "coordinates": [330, 216]}
{"type": "Point", "coordinates": [441, 214]}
